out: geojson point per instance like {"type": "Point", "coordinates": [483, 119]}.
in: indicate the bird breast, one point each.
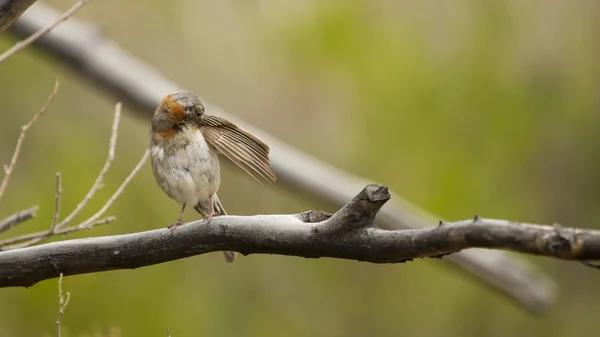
{"type": "Point", "coordinates": [185, 166]}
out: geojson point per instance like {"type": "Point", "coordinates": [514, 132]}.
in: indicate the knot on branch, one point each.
{"type": "Point", "coordinates": [558, 244]}
{"type": "Point", "coordinates": [564, 243]}
{"type": "Point", "coordinates": [313, 216]}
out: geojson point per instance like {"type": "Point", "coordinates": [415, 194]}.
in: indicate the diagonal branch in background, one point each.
{"type": "Point", "coordinates": [103, 62]}
{"type": "Point", "coordinates": [350, 233]}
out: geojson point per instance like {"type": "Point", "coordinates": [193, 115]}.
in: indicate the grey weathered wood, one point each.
{"type": "Point", "coordinates": [350, 233]}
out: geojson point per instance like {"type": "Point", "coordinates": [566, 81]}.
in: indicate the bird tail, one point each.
{"type": "Point", "coordinates": [219, 210]}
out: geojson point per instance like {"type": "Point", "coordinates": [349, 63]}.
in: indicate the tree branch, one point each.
{"type": "Point", "coordinates": [348, 234]}
{"type": "Point", "coordinates": [10, 10]}
{"type": "Point", "coordinates": [100, 60]}
{"type": "Point", "coordinates": [15, 219]}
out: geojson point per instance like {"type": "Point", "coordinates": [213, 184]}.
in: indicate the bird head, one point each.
{"type": "Point", "coordinates": [176, 110]}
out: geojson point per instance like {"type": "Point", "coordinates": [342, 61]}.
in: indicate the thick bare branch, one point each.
{"type": "Point", "coordinates": [10, 10]}
{"type": "Point", "coordinates": [43, 31]}
{"type": "Point", "coordinates": [355, 238]}
{"type": "Point", "coordinates": [15, 219]}
{"type": "Point", "coordinates": [8, 169]}
{"type": "Point", "coordinates": [104, 63]}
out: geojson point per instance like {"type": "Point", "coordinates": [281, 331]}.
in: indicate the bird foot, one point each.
{"type": "Point", "coordinates": [208, 218]}
{"type": "Point", "coordinates": [174, 226]}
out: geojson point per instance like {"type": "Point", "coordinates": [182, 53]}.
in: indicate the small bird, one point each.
{"type": "Point", "coordinates": [184, 146]}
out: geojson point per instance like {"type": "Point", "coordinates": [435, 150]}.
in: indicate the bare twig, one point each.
{"type": "Point", "coordinates": [22, 44]}
{"type": "Point", "coordinates": [57, 203]}
{"type": "Point", "coordinates": [57, 228]}
{"type": "Point", "coordinates": [98, 183]}
{"type": "Point", "coordinates": [9, 169]}
{"type": "Point", "coordinates": [88, 223]}
{"type": "Point", "coordinates": [30, 239]}
{"type": "Point", "coordinates": [62, 304]}
{"type": "Point", "coordinates": [40, 236]}
{"type": "Point", "coordinates": [15, 219]}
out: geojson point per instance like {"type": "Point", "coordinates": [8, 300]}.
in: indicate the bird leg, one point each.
{"type": "Point", "coordinates": [179, 221]}
{"type": "Point", "coordinates": [209, 216]}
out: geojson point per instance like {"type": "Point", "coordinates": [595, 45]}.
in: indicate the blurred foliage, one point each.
{"type": "Point", "coordinates": [485, 107]}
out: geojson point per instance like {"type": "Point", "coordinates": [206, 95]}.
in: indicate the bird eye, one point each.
{"type": "Point", "coordinates": [193, 113]}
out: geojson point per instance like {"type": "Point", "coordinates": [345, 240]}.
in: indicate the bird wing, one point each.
{"type": "Point", "coordinates": [240, 146]}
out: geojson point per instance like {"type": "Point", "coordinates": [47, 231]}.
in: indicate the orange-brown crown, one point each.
{"type": "Point", "coordinates": [173, 108]}
{"type": "Point", "coordinates": [167, 116]}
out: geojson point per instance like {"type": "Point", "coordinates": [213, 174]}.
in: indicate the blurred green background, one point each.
{"type": "Point", "coordinates": [462, 107]}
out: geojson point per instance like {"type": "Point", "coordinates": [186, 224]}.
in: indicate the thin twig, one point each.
{"type": "Point", "coordinates": [31, 239]}
{"type": "Point", "coordinates": [58, 228]}
{"type": "Point", "coordinates": [57, 202]}
{"type": "Point", "coordinates": [62, 304]}
{"type": "Point", "coordinates": [98, 183]}
{"type": "Point", "coordinates": [15, 219]}
{"type": "Point", "coordinates": [22, 44]}
{"type": "Point", "coordinates": [9, 169]}
{"type": "Point", "coordinates": [53, 228]}
{"type": "Point", "coordinates": [88, 223]}
{"type": "Point", "coordinates": [7, 244]}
